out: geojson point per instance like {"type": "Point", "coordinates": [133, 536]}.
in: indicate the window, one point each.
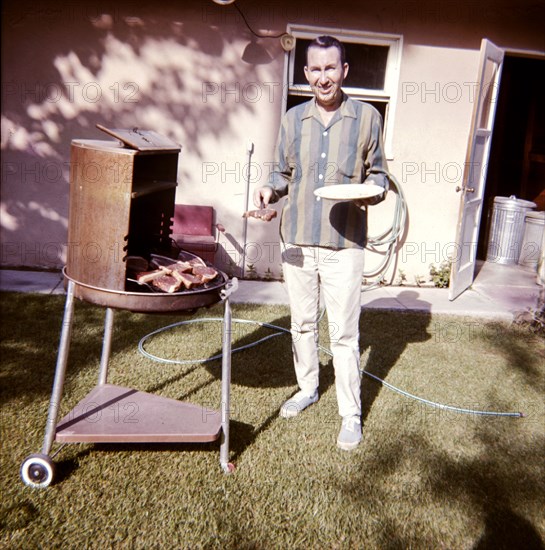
{"type": "Point", "coordinates": [373, 76]}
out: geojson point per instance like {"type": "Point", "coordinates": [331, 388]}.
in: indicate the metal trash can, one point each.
{"type": "Point", "coordinates": [530, 252]}
{"type": "Point", "coordinates": [507, 229]}
{"type": "Point", "coordinates": [541, 264]}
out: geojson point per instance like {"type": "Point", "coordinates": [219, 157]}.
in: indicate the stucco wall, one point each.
{"type": "Point", "coordinates": [176, 68]}
{"type": "Point", "coordinates": [431, 134]}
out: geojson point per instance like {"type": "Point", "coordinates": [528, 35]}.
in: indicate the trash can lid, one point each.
{"type": "Point", "coordinates": [513, 202]}
{"type": "Point", "coordinates": [536, 215]}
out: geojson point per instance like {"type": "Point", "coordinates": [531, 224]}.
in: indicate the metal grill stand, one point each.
{"type": "Point", "coordinates": [122, 201]}
{"type": "Point", "coordinates": [115, 414]}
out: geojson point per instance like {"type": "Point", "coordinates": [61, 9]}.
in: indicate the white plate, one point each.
{"type": "Point", "coordinates": [348, 191]}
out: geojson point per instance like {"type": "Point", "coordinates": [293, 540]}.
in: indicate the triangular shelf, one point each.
{"type": "Point", "coordinates": [114, 414]}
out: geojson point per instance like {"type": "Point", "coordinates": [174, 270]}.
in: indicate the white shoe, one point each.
{"type": "Point", "coordinates": [296, 404]}
{"type": "Point", "coordinates": [350, 434]}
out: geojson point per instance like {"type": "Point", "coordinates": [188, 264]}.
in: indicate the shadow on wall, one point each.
{"type": "Point", "coordinates": [69, 67]}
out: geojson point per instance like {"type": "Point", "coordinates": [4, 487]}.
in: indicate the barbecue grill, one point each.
{"type": "Point", "coordinates": [122, 200]}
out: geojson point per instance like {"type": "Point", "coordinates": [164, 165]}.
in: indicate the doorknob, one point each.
{"type": "Point", "coordinates": [466, 189]}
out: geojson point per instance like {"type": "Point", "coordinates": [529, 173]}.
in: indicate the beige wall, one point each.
{"type": "Point", "coordinates": [432, 125]}
{"type": "Point", "coordinates": [175, 68]}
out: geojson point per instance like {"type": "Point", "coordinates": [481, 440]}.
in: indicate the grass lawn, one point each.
{"type": "Point", "coordinates": [423, 477]}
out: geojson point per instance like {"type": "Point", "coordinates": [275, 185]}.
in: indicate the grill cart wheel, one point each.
{"type": "Point", "coordinates": [37, 470]}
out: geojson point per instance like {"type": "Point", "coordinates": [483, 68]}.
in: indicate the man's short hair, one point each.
{"type": "Point", "coordinates": [326, 41]}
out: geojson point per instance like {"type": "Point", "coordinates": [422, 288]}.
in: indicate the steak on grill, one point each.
{"type": "Point", "coordinates": [149, 276]}
{"type": "Point", "coordinates": [167, 283]}
{"type": "Point", "coordinates": [206, 273]}
{"type": "Point", "coordinates": [171, 274]}
{"type": "Point", "coordinates": [170, 265]}
{"type": "Point", "coordinates": [189, 280]}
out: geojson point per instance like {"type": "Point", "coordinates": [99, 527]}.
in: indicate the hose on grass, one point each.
{"type": "Point", "coordinates": [388, 238]}
{"type": "Point", "coordinates": [281, 331]}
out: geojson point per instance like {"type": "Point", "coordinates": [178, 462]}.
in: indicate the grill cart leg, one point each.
{"type": "Point", "coordinates": [106, 346]}
{"type": "Point", "coordinates": [37, 470]}
{"type": "Point", "coordinates": [228, 467]}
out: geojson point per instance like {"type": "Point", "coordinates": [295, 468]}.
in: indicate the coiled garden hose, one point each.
{"type": "Point", "coordinates": [388, 238]}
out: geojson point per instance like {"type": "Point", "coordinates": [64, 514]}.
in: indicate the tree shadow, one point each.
{"type": "Point", "coordinates": [498, 482]}
{"type": "Point", "coordinates": [120, 65]}
{"type": "Point", "coordinates": [520, 357]}
{"type": "Point", "coordinates": [505, 529]}
{"type": "Point", "coordinates": [30, 340]}
{"type": "Point", "coordinates": [496, 487]}
{"type": "Point", "coordinates": [18, 516]}
{"type": "Point", "coordinates": [386, 341]}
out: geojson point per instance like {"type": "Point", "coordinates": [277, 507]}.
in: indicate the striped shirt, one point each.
{"type": "Point", "coordinates": [310, 155]}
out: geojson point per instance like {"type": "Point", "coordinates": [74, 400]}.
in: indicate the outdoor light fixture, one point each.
{"type": "Point", "coordinates": [254, 53]}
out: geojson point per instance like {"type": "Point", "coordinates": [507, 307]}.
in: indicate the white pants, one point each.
{"type": "Point", "coordinates": [338, 273]}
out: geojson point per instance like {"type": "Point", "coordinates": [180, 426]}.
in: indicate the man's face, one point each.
{"type": "Point", "coordinates": [325, 74]}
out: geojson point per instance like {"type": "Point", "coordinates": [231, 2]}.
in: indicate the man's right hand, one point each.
{"type": "Point", "coordinates": [262, 196]}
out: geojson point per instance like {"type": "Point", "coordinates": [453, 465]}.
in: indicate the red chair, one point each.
{"type": "Point", "coordinates": [194, 230]}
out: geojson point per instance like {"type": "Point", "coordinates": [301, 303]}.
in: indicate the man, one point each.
{"type": "Point", "coordinates": [328, 140]}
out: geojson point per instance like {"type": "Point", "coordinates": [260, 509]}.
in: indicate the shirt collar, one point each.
{"type": "Point", "coordinates": [346, 109]}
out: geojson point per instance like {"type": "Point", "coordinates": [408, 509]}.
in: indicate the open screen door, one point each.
{"type": "Point", "coordinates": [474, 178]}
